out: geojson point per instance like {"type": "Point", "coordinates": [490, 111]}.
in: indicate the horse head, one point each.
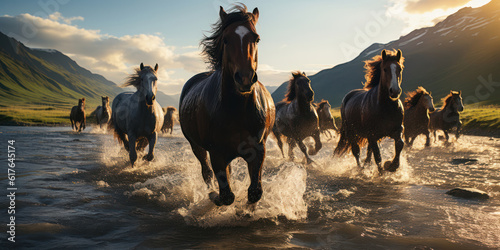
{"type": "Point", "coordinates": [457, 101]}
{"type": "Point", "coordinates": [148, 87]}
{"type": "Point", "coordinates": [303, 86]}
{"type": "Point", "coordinates": [105, 101]}
{"type": "Point", "coordinates": [81, 104]}
{"type": "Point", "coordinates": [391, 69]}
{"type": "Point", "coordinates": [428, 102]}
{"type": "Point", "coordinates": [239, 56]}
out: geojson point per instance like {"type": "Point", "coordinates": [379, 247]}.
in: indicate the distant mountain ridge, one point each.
{"type": "Point", "coordinates": [48, 77]}
{"type": "Point", "coordinates": [461, 52]}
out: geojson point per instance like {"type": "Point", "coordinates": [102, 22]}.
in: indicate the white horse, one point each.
{"type": "Point", "coordinates": [137, 117]}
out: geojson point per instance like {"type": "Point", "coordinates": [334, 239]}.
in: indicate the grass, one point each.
{"type": "Point", "coordinates": [37, 115]}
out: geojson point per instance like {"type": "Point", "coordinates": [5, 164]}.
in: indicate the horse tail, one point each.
{"type": "Point", "coordinates": [343, 144]}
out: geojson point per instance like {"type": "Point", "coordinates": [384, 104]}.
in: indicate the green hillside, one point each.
{"type": "Point", "coordinates": [460, 53]}
{"type": "Point", "coordinates": [40, 86]}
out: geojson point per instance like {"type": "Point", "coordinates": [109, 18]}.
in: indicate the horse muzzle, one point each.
{"type": "Point", "coordinates": [150, 100]}
{"type": "Point", "coordinates": [245, 82]}
{"type": "Point", "coordinates": [394, 93]}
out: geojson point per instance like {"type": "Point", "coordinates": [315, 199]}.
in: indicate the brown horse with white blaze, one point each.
{"type": "Point", "coordinates": [417, 105]}
{"type": "Point", "coordinates": [375, 112]}
{"type": "Point", "coordinates": [227, 112]}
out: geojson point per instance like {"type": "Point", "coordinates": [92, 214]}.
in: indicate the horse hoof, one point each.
{"type": "Point", "coordinates": [219, 200]}
{"type": "Point", "coordinates": [391, 166]}
{"type": "Point", "coordinates": [312, 151]}
{"type": "Point", "coordinates": [148, 157]}
{"type": "Point", "coordinates": [254, 195]}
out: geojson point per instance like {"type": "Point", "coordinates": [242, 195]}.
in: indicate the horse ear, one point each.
{"type": "Point", "coordinates": [399, 55]}
{"type": "Point", "coordinates": [142, 66]}
{"type": "Point", "coordinates": [303, 73]}
{"type": "Point", "coordinates": [460, 92]}
{"type": "Point", "coordinates": [384, 55]}
{"type": "Point", "coordinates": [255, 14]}
{"type": "Point", "coordinates": [156, 67]}
{"type": "Point", "coordinates": [222, 13]}
{"type": "Point", "coordinates": [83, 99]}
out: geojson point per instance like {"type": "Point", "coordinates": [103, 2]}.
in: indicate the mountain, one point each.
{"type": "Point", "coordinates": [461, 52]}
{"type": "Point", "coordinates": [46, 77]}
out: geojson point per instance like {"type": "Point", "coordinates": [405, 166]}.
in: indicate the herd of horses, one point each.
{"type": "Point", "coordinates": [227, 113]}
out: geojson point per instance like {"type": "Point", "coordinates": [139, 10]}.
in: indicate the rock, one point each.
{"type": "Point", "coordinates": [466, 161]}
{"type": "Point", "coordinates": [468, 193]}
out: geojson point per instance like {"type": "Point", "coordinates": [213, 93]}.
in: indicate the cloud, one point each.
{"type": "Point", "coordinates": [424, 13]}
{"type": "Point", "coordinates": [422, 6]}
{"type": "Point", "coordinates": [111, 56]}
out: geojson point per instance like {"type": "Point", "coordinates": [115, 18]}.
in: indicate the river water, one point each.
{"type": "Point", "coordinates": [77, 190]}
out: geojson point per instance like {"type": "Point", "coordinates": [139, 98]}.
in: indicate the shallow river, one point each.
{"type": "Point", "coordinates": [77, 190]}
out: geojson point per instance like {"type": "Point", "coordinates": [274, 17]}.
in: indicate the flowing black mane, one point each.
{"type": "Point", "coordinates": [213, 44]}
{"type": "Point", "coordinates": [291, 93]}
{"type": "Point", "coordinates": [413, 97]}
{"type": "Point", "coordinates": [373, 70]}
{"type": "Point", "coordinates": [135, 79]}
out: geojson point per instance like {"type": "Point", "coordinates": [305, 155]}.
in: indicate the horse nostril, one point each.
{"type": "Point", "coordinates": [153, 98]}
{"type": "Point", "coordinates": [238, 78]}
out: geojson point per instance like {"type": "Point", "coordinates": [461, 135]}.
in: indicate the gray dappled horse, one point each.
{"type": "Point", "coordinates": [138, 117]}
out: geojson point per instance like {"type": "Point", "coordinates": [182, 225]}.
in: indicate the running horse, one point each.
{"type": "Point", "coordinates": [375, 112]}
{"type": "Point", "coordinates": [296, 117]}
{"type": "Point", "coordinates": [169, 119]}
{"type": "Point", "coordinates": [77, 116]}
{"type": "Point", "coordinates": [103, 112]}
{"type": "Point", "coordinates": [326, 121]}
{"type": "Point", "coordinates": [417, 105]}
{"type": "Point", "coordinates": [137, 117]}
{"type": "Point", "coordinates": [227, 112]}
{"type": "Point", "coordinates": [447, 117]}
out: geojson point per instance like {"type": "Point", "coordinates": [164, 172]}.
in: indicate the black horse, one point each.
{"type": "Point", "coordinates": [296, 117]}
{"type": "Point", "coordinates": [77, 116]}
{"type": "Point", "coordinates": [227, 111]}
{"type": "Point", "coordinates": [374, 112]}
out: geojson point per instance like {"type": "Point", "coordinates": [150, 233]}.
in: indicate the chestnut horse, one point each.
{"type": "Point", "coordinates": [169, 119]}
{"type": "Point", "coordinates": [227, 112]}
{"type": "Point", "coordinates": [416, 121]}
{"type": "Point", "coordinates": [77, 116]}
{"type": "Point", "coordinates": [138, 117]}
{"type": "Point", "coordinates": [296, 117]}
{"type": "Point", "coordinates": [103, 113]}
{"type": "Point", "coordinates": [375, 112]}
{"type": "Point", "coordinates": [326, 121]}
{"type": "Point", "coordinates": [447, 117]}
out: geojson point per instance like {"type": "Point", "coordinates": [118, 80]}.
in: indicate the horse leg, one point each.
{"type": "Point", "coordinates": [355, 151]}
{"type": "Point", "coordinates": [206, 170]}
{"type": "Point", "coordinates": [446, 135]}
{"type": "Point", "coordinates": [410, 143]}
{"type": "Point", "coordinates": [373, 145]}
{"type": "Point", "coordinates": [398, 144]}
{"type": "Point", "coordinates": [152, 142]}
{"type": "Point", "coordinates": [291, 145]}
{"type": "Point", "coordinates": [255, 171]}
{"type": "Point", "coordinates": [72, 124]}
{"type": "Point", "coordinates": [278, 140]}
{"type": "Point", "coordinates": [171, 129]}
{"type": "Point", "coordinates": [303, 148]}
{"type": "Point", "coordinates": [428, 139]}
{"type": "Point", "coordinates": [220, 165]}
{"type": "Point", "coordinates": [131, 145]}
{"type": "Point", "coordinates": [459, 129]}
{"type": "Point", "coordinates": [369, 153]}
{"type": "Point", "coordinates": [317, 143]}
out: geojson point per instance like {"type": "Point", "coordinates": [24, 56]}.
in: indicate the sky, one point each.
{"type": "Point", "coordinates": [112, 37]}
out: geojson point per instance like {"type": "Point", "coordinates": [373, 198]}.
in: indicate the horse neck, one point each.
{"type": "Point", "coordinates": [142, 103]}
{"type": "Point", "coordinates": [420, 107]}
{"type": "Point", "coordinates": [303, 104]}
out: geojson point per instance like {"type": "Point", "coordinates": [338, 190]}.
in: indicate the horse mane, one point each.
{"type": "Point", "coordinates": [290, 92]}
{"type": "Point", "coordinates": [135, 79]}
{"type": "Point", "coordinates": [413, 97]}
{"type": "Point", "coordinates": [321, 104]}
{"type": "Point", "coordinates": [373, 70]}
{"type": "Point", "coordinates": [213, 44]}
{"type": "Point", "coordinates": [171, 108]}
{"type": "Point", "coordinates": [447, 99]}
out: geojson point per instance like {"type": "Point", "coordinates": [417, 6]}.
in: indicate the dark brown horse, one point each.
{"type": "Point", "coordinates": [169, 119]}
{"type": "Point", "coordinates": [326, 121]}
{"type": "Point", "coordinates": [296, 117]}
{"type": "Point", "coordinates": [447, 118]}
{"type": "Point", "coordinates": [103, 112]}
{"type": "Point", "coordinates": [416, 121]}
{"type": "Point", "coordinates": [227, 111]}
{"type": "Point", "coordinates": [77, 116]}
{"type": "Point", "coordinates": [375, 112]}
